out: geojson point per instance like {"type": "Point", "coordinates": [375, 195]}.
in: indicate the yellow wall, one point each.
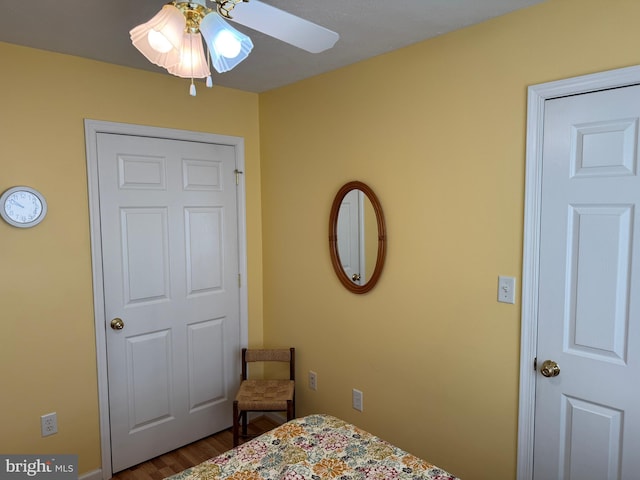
{"type": "Point", "coordinates": [438, 131]}
{"type": "Point", "coordinates": [47, 342]}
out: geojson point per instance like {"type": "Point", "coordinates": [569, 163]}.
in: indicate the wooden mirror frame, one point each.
{"type": "Point", "coordinates": [333, 237]}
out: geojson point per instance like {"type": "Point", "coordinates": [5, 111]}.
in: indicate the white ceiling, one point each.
{"type": "Point", "coordinates": [99, 29]}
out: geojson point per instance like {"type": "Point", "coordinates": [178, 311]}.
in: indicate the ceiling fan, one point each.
{"type": "Point", "coordinates": [173, 38]}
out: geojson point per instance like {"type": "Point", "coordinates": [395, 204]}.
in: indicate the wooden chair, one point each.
{"type": "Point", "coordinates": [263, 395]}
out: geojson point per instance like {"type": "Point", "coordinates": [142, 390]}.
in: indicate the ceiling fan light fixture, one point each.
{"type": "Point", "coordinates": [227, 46]}
{"type": "Point", "coordinates": [160, 39]}
{"type": "Point", "coordinates": [173, 38]}
{"type": "Point", "coordinates": [159, 42]}
{"type": "Point", "coordinates": [193, 62]}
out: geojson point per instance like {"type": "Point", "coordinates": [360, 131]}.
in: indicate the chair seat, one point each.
{"type": "Point", "coordinates": [265, 394]}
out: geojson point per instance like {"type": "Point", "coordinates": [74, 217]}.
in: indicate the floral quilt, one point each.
{"type": "Point", "coordinates": [316, 447]}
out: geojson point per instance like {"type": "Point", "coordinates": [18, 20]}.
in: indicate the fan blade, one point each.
{"type": "Point", "coordinates": [284, 26]}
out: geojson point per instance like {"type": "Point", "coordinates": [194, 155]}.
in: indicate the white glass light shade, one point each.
{"type": "Point", "coordinates": [193, 63]}
{"type": "Point", "coordinates": [160, 38]}
{"type": "Point", "coordinates": [227, 46]}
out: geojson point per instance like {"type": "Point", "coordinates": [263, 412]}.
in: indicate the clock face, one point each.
{"type": "Point", "coordinates": [22, 206]}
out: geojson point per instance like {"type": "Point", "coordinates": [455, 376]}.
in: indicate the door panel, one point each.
{"type": "Point", "coordinates": [600, 239]}
{"type": "Point", "coordinates": [590, 443]}
{"type": "Point", "coordinates": [206, 364]}
{"type": "Point", "coordinates": [145, 255]}
{"type": "Point", "coordinates": [170, 263]}
{"type": "Point", "coordinates": [205, 262]}
{"type": "Point", "coordinates": [149, 379]}
{"type": "Point", "coordinates": [587, 419]}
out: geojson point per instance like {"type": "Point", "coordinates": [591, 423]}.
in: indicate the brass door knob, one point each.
{"type": "Point", "coordinates": [117, 324]}
{"type": "Point", "coordinates": [550, 369]}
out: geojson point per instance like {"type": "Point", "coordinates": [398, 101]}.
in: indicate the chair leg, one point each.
{"type": "Point", "coordinates": [244, 423]}
{"type": "Point", "coordinates": [290, 410]}
{"type": "Point", "coordinates": [236, 426]}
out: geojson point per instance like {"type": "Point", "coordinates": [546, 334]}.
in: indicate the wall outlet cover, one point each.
{"type": "Point", "coordinates": [357, 399]}
{"type": "Point", "coordinates": [49, 424]}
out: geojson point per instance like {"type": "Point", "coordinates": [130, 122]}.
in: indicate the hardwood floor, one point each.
{"type": "Point", "coordinates": [174, 462]}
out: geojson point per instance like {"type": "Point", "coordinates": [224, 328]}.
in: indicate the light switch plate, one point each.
{"type": "Point", "coordinates": [506, 289]}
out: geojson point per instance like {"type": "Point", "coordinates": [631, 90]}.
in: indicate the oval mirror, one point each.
{"type": "Point", "coordinates": [357, 237]}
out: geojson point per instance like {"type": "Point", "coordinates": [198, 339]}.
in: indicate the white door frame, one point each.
{"type": "Point", "coordinates": [537, 96]}
{"type": "Point", "coordinates": [92, 129]}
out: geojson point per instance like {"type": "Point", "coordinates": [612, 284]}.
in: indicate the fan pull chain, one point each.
{"type": "Point", "coordinates": [192, 88]}
{"type": "Point", "coordinates": [209, 81]}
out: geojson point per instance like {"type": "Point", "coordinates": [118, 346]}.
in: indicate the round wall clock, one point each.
{"type": "Point", "coordinates": [22, 207]}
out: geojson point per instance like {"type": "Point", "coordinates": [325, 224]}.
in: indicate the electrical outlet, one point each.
{"type": "Point", "coordinates": [356, 398]}
{"type": "Point", "coordinates": [313, 380]}
{"type": "Point", "coordinates": [49, 424]}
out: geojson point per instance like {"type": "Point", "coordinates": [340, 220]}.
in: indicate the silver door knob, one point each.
{"type": "Point", "coordinates": [550, 369]}
{"type": "Point", "coordinates": [355, 277]}
{"type": "Point", "coordinates": [117, 324]}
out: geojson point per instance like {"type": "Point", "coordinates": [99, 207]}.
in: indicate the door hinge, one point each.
{"type": "Point", "coordinates": [535, 364]}
{"type": "Point", "coordinates": [239, 280]}
{"type": "Point", "coordinates": [238, 173]}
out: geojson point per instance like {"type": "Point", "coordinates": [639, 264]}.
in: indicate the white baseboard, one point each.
{"type": "Point", "coordinates": [93, 475]}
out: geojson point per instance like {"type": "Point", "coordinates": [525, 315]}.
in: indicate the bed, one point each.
{"type": "Point", "coordinates": [315, 447]}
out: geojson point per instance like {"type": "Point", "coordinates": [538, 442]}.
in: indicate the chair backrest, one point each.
{"type": "Point", "coordinates": [269, 355]}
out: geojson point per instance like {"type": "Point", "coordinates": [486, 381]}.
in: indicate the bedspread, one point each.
{"type": "Point", "coordinates": [315, 447]}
